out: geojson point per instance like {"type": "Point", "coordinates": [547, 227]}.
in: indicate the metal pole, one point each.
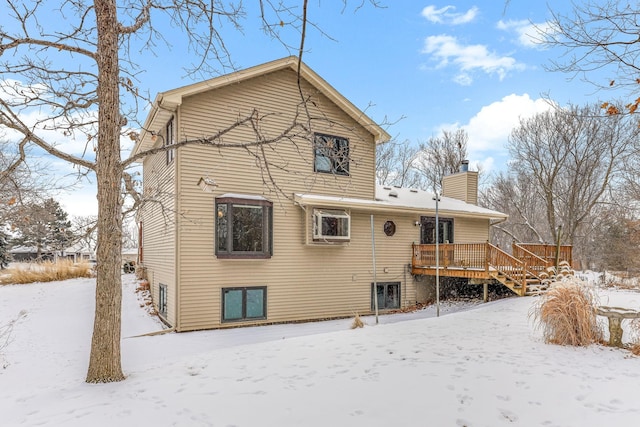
{"type": "Point", "coordinates": [375, 283]}
{"type": "Point", "coordinates": [437, 199]}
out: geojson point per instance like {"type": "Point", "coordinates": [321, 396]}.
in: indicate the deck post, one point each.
{"type": "Point", "coordinates": [485, 292]}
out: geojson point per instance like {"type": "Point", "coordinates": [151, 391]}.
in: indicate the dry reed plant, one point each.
{"type": "Point", "coordinates": [635, 330]}
{"type": "Point", "coordinates": [357, 322]}
{"type": "Point", "coordinates": [47, 272]}
{"type": "Point", "coordinates": [566, 313]}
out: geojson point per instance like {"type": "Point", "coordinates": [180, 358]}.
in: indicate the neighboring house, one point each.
{"type": "Point", "coordinates": [243, 252]}
{"type": "Point", "coordinates": [76, 253]}
{"type": "Point", "coordinates": [30, 253]}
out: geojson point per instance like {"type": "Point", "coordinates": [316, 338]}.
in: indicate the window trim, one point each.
{"type": "Point", "coordinates": [162, 299]}
{"type": "Point", "coordinates": [319, 214]}
{"type": "Point", "coordinates": [244, 290]}
{"type": "Point", "coordinates": [267, 229]}
{"type": "Point", "coordinates": [385, 284]}
{"type": "Point", "coordinates": [338, 158]}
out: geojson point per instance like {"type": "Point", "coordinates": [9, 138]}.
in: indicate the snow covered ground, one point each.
{"type": "Point", "coordinates": [475, 365]}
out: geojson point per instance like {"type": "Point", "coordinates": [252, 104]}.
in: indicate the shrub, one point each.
{"type": "Point", "coordinates": [635, 330]}
{"type": "Point", "coordinates": [357, 322]}
{"type": "Point", "coordinates": [566, 313]}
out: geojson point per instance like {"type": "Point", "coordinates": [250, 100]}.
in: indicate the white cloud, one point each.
{"type": "Point", "coordinates": [490, 128]}
{"type": "Point", "coordinates": [448, 51]}
{"type": "Point", "coordinates": [463, 79]}
{"type": "Point", "coordinates": [529, 34]}
{"type": "Point", "coordinates": [446, 15]}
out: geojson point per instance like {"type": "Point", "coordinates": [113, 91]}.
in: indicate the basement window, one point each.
{"type": "Point", "coordinates": [388, 295]}
{"type": "Point", "coordinates": [162, 299]}
{"type": "Point", "coordinates": [331, 225]}
{"type": "Point", "coordinates": [244, 303]}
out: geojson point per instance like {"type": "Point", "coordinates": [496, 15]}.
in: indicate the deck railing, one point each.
{"type": "Point", "coordinates": [507, 264]}
{"type": "Point", "coordinates": [535, 263]}
{"type": "Point", "coordinates": [451, 255]}
{"type": "Point", "coordinates": [548, 252]}
{"type": "Point", "coordinates": [484, 260]}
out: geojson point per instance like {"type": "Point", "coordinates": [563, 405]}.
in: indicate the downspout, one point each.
{"type": "Point", "coordinates": [177, 269]}
{"type": "Point", "coordinates": [497, 222]}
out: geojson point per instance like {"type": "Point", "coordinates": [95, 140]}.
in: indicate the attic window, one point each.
{"type": "Point", "coordinates": [331, 154]}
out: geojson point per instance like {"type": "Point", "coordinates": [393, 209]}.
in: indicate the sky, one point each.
{"type": "Point", "coordinates": [422, 67]}
{"type": "Point", "coordinates": [475, 365]}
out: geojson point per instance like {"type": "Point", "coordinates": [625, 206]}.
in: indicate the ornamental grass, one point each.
{"type": "Point", "coordinates": [566, 314]}
{"type": "Point", "coordinates": [46, 271]}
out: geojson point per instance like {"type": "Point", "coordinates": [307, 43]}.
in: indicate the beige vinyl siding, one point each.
{"type": "Point", "coordinates": [276, 99]}
{"type": "Point", "coordinates": [303, 281]}
{"type": "Point", "coordinates": [462, 186]}
{"type": "Point", "coordinates": [471, 230]}
{"type": "Point", "coordinates": [158, 227]}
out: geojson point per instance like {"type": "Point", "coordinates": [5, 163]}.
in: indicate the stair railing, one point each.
{"type": "Point", "coordinates": [510, 266]}
{"type": "Point", "coordinates": [535, 264]}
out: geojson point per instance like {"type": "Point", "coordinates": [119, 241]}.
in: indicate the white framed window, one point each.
{"type": "Point", "coordinates": [331, 225]}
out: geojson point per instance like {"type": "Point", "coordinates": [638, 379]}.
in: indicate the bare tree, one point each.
{"type": "Point", "coordinates": [20, 184]}
{"type": "Point", "coordinates": [598, 36]}
{"type": "Point", "coordinates": [510, 192]}
{"type": "Point", "coordinates": [396, 165]}
{"type": "Point", "coordinates": [85, 78]}
{"type": "Point", "coordinates": [572, 156]}
{"type": "Point", "coordinates": [442, 156]}
{"type": "Point", "coordinates": [84, 227]}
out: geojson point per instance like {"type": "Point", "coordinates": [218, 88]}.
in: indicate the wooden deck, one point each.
{"type": "Point", "coordinates": [519, 272]}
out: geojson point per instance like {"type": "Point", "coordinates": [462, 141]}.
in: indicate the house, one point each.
{"type": "Point", "coordinates": [76, 253]}
{"type": "Point", "coordinates": [31, 253]}
{"type": "Point", "coordinates": [279, 221]}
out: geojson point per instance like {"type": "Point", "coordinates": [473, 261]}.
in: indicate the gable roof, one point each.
{"type": "Point", "coordinates": [405, 200]}
{"type": "Point", "coordinates": [167, 102]}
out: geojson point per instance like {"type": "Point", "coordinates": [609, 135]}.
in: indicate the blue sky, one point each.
{"type": "Point", "coordinates": [428, 66]}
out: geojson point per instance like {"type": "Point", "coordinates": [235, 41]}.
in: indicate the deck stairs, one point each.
{"type": "Point", "coordinates": [528, 270]}
{"type": "Point", "coordinates": [534, 285]}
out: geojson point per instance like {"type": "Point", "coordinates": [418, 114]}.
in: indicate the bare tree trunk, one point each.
{"type": "Point", "coordinates": [104, 363]}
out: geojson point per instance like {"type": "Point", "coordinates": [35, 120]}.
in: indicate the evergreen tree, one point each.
{"type": "Point", "coordinates": [44, 226]}
{"type": "Point", "coordinates": [5, 257]}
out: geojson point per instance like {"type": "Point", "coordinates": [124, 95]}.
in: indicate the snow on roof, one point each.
{"type": "Point", "coordinates": [241, 196]}
{"type": "Point", "coordinates": [403, 200]}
